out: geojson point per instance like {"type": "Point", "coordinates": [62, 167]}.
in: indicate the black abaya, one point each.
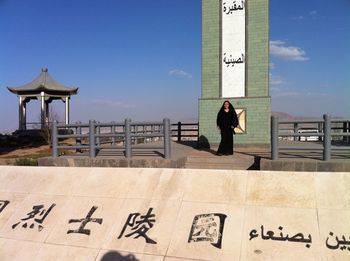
{"type": "Point", "coordinates": [226, 121]}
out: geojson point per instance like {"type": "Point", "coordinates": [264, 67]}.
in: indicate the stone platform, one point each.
{"type": "Point", "coordinates": [187, 155]}
{"type": "Point", "coordinates": [100, 214]}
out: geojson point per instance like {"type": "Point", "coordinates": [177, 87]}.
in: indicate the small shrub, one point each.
{"type": "Point", "coordinates": [140, 140]}
{"type": "Point", "coordinates": [26, 162]}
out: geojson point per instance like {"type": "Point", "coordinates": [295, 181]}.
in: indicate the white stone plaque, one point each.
{"type": "Point", "coordinates": [233, 48]}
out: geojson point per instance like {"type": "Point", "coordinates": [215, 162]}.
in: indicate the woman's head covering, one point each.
{"type": "Point", "coordinates": [230, 106]}
{"type": "Point", "coordinates": [221, 118]}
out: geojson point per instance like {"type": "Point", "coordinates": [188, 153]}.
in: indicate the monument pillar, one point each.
{"type": "Point", "coordinates": [235, 67]}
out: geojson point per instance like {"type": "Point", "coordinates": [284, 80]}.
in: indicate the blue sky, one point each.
{"type": "Point", "coordinates": [142, 59]}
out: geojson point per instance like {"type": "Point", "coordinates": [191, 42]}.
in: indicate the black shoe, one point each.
{"type": "Point", "coordinates": [219, 154]}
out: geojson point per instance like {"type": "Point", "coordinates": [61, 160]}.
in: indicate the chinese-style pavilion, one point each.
{"type": "Point", "coordinates": [45, 89]}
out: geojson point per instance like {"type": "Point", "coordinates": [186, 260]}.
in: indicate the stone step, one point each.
{"type": "Point", "coordinates": [222, 159]}
{"type": "Point", "coordinates": [217, 166]}
{"type": "Point", "coordinates": [239, 162]}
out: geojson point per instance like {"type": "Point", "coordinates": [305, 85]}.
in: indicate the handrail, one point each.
{"type": "Point", "coordinates": [129, 132]}
{"type": "Point", "coordinates": [180, 132]}
{"type": "Point", "coordinates": [324, 132]}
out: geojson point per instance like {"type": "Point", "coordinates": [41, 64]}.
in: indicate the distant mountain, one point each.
{"type": "Point", "coordinates": [286, 117]}
{"type": "Point", "coordinates": [282, 115]}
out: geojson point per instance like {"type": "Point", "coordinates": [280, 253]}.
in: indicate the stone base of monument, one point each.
{"type": "Point", "coordinates": [88, 214]}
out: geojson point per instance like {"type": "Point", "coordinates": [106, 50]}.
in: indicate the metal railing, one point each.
{"type": "Point", "coordinates": [185, 130]}
{"type": "Point", "coordinates": [126, 133]}
{"type": "Point", "coordinates": [323, 132]}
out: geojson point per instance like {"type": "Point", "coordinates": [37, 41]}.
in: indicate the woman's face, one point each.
{"type": "Point", "coordinates": [226, 105]}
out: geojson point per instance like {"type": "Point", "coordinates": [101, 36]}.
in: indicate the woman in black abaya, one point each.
{"type": "Point", "coordinates": [226, 121]}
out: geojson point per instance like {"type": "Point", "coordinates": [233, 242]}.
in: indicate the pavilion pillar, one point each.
{"type": "Point", "coordinates": [24, 115]}
{"type": "Point", "coordinates": [43, 110]}
{"type": "Point", "coordinates": [47, 113]}
{"type": "Point", "coordinates": [67, 98]}
{"type": "Point", "coordinates": [20, 112]}
{"type": "Point", "coordinates": [45, 89]}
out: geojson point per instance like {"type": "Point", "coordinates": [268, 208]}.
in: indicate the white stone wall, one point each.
{"type": "Point", "coordinates": [257, 215]}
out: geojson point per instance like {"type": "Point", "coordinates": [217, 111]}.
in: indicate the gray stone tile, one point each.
{"type": "Point", "coordinates": [288, 166]}
{"type": "Point", "coordinates": [276, 165]}
{"type": "Point", "coordinates": [310, 166]}
{"type": "Point", "coordinates": [323, 166]}
{"type": "Point", "coordinates": [299, 166]}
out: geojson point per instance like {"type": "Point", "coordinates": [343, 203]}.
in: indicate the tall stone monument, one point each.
{"type": "Point", "coordinates": [235, 67]}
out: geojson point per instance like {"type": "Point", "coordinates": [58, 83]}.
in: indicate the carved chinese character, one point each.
{"type": "Point", "coordinates": [3, 204]}
{"type": "Point", "coordinates": [84, 221]}
{"type": "Point", "coordinates": [208, 227]}
{"type": "Point", "coordinates": [41, 214]}
{"type": "Point", "coordinates": [139, 225]}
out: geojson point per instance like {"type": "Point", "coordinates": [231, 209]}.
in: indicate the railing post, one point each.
{"type": "Point", "coordinates": [319, 131]}
{"type": "Point", "coordinates": [54, 140]}
{"type": "Point", "coordinates": [113, 132]}
{"type": "Point", "coordinates": [197, 131]}
{"type": "Point", "coordinates": [132, 131]}
{"type": "Point", "coordinates": [98, 131]}
{"type": "Point", "coordinates": [296, 131]}
{"type": "Point", "coordinates": [78, 139]}
{"type": "Point", "coordinates": [179, 131]}
{"type": "Point", "coordinates": [92, 139]}
{"type": "Point", "coordinates": [345, 129]}
{"type": "Point", "coordinates": [167, 137]}
{"type": "Point", "coordinates": [152, 132]}
{"type": "Point", "coordinates": [127, 142]}
{"type": "Point", "coordinates": [274, 138]}
{"type": "Point", "coordinates": [327, 138]}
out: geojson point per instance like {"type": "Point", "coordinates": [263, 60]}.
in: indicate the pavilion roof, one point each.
{"type": "Point", "coordinates": [44, 82]}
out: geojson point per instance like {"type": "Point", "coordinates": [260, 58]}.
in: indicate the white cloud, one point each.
{"type": "Point", "coordinates": [299, 94]}
{"type": "Point", "coordinates": [276, 80]}
{"type": "Point", "coordinates": [179, 73]}
{"type": "Point", "coordinates": [279, 50]}
{"type": "Point", "coordinates": [313, 13]}
{"type": "Point", "coordinates": [279, 88]}
{"type": "Point", "coordinates": [112, 104]}
{"type": "Point", "coordinates": [300, 17]}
